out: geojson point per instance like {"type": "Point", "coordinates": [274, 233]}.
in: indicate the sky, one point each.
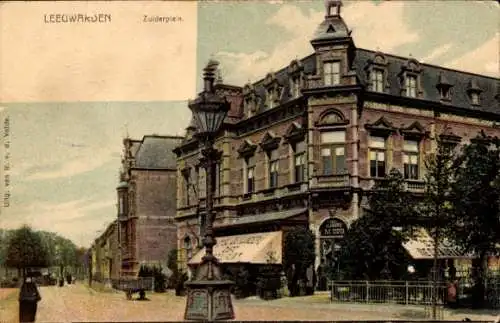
{"type": "Point", "coordinates": [72, 92]}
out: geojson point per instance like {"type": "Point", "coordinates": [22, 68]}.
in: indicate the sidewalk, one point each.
{"type": "Point", "coordinates": [321, 300]}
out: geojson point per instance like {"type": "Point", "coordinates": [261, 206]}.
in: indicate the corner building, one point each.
{"type": "Point", "coordinates": [306, 144]}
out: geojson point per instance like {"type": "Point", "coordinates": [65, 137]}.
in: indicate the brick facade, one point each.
{"type": "Point", "coordinates": [147, 202]}
{"type": "Point", "coordinates": [351, 103]}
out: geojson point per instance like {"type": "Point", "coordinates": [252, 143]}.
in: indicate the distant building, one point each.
{"type": "Point", "coordinates": [105, 254]}
{"type": "Point", "coordinates": [305, 145]}
{"type": "Point", "coordinates": [147, 202]}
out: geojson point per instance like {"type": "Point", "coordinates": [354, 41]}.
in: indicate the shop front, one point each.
{"type": "Point", "coordinates": [248, 259]}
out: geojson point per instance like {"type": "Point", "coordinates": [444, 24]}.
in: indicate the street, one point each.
{"type": "Point", "coordinates": [74, 303]}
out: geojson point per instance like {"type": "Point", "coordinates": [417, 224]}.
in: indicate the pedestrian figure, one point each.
{"type": "Point", "coordinates": [452, 294]}
{"type": "Point", "coordinates": [28, 301]}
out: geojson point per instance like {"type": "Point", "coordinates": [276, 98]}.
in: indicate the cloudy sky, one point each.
{"type": "Point", "coordinates": [72, 92]}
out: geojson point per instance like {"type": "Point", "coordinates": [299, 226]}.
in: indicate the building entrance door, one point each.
{"type": "Point", "coordinates": [331, 234]}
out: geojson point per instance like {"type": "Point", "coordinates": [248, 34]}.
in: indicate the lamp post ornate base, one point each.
{"type": "Point", "coordinates": [208, 296]}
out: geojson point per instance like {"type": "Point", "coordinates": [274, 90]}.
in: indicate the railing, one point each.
{"type": "Point", "coordinates": [415, 186]}
{"type": "Point", "coordinates": [399, 292]}
{"type": "Point", "coordinates": [341, 180]}
{"type": "Point", "coordinates": [314, 81]}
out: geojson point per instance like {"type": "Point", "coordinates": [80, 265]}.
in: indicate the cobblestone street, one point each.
{"type": "Point", "coordinates": [73, 303]}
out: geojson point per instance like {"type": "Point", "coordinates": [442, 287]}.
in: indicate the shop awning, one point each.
{"type": "Point", "coordinates": [264, 217]}
{"type": "Point", "coordinates": [255, 248]}
{"type": "Point", "coordinates": [421, 246]}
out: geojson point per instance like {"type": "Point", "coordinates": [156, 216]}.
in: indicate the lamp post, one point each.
{"type": "Point", "coordinates": [208, 296]}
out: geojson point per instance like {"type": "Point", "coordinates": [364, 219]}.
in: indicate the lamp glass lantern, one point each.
{"type": "Point", "coordinates": [209, 116]}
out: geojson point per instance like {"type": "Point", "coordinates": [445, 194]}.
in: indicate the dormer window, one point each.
{"type": "Point", "coordinates": [474, 92]}
{"type": "Point", "coordinates": [377, 80]}
{"type": "Point", "coordinates": [250, 100]}
{"type": "Point", "coordinates": [474, 98]}
{"type": "Point", "coordinates": [295, 74]}
{"type": "Point", "coordinates": [273, 91]}
{"type": "Point", "coordinates": [445, 94]}
{"type": "Point", "coordinates": [270, 97]}
{"type": "Point", "coordinates": [444, 87]}
{"type": "Point", "coordinates": [411, 85]}
{"type": "Point", "coordinates": [331, 73]}
{"type": "Point", "coordinates": [409, 78]}
{"type": "Point", "coordinates": [295, 85]}
{"type": "Point", "coordinates": [248, 107]}
{"type": "Point", "coordinates": [376, 70]}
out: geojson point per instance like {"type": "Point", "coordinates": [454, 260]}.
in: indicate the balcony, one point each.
{"type": "Point", "coordinates": [314, 82]}
{"type": "Point", "coordinates": [372, 182]}
{"type": "Point", "coordinates": [333, 181]}
{"type": "Point", "coordinates": [415, 186]}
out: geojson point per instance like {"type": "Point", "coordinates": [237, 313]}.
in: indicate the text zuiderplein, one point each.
{"type": "Point", "coordinates": [163, 19]}
{"type": "Point", "coordinates": [77, 18]}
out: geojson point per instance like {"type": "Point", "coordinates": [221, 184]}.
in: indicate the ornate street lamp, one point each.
{"type": "Point", "coordinates": [208, 296]}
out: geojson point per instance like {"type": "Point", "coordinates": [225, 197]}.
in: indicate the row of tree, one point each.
{"type": "Point", "coordinates": [27, 248]}
{"type": "Point", "coordinates": [461, 204]}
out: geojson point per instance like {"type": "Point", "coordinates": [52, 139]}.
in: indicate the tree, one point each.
{"type": "Point", "coordinates": [372, 248]}
{"type": "Point", "coordinates": [298, 254]}
{"type": "Point", "coordinates": [172, 260]}
{"type": "Point", "coordinates": [437, 200]}
{"type": "Point", "coordinates": [25, 249]}
{"type": "Point", "coordinates": [476, 203]}
{"type": "Point", "coordinates": [4, 240]}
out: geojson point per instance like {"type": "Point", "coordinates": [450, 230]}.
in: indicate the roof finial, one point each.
{"type": "Point", "coordinates": [333, 7]}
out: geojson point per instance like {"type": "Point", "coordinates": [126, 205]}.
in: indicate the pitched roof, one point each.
{"type": "Point", "coordinates": [309, 64]}
{"type": "Point", "coordinates": [460, 81]}
{"type": "Point", "coordinates": [430, 77]}
{"type": "Point", "coordinates": [157, 152]}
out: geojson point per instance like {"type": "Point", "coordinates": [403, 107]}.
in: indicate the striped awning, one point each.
{"type": "Point", "coordinates": [255, 248]}
{"type": "Point", "coordinates": [421, 246]}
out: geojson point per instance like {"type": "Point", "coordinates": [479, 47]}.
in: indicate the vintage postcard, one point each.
{"type": "Point", "coordinates": [217, 160]}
